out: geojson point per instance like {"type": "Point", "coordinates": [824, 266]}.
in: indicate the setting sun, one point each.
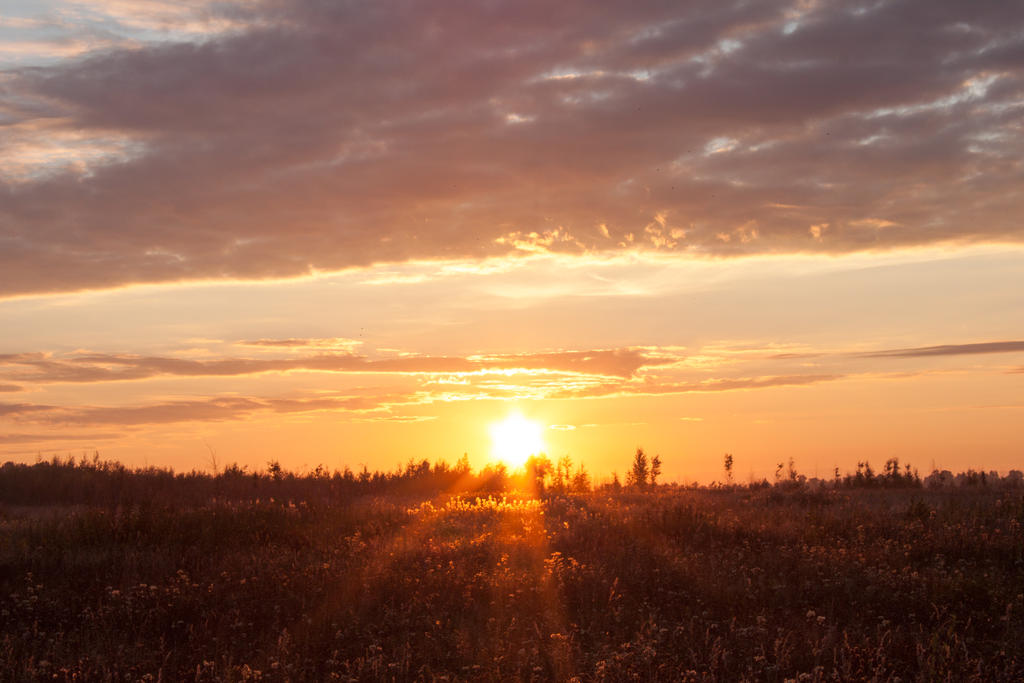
{"type": "Point", "coordinates": [515, 439]}
{"type": "Point", "coordinates": [475, 341]}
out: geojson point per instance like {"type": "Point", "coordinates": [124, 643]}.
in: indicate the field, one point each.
{"type": "Point", "coordinates": [729, 583]}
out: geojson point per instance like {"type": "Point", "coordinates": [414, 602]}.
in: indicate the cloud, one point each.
{"type": "Point", "coordinates": [795, 356]}
{"type": "Point", "coordinates": [368, 417]}
{"type": "Point", "coordinates": [914, 352]}
{"type": "Point", "coordinates": [949, 350]}
{"type": "Point", "coordinates": [69, 28]}
{"type": "Point", "coordinates": [311, 136]}
{"type": "Point", "coordinates": [370, 407]}
{"type": "Point", "coordinates": [212, 409]}
{"type": "Point", "coordinates": [617, 362]}
{"type": "Point", "coordinates": [201, 17]}
{"type": "Point", "coordinates": [753, 383]}
{"type": "Point", "coordinates": [9, 388]}
{"type": "Point", "coordinates": [19, 409]}
{"type": "Point", "coordinates": [107, 367]}
{"type": "Point", "coordinates": [371, 404]}
{"type": "Point", "coordinates": [709, 385]}
{"type": "Point", "coordinates": [330, 342]}
{"type": "Point", "coordinates": [46, 438]}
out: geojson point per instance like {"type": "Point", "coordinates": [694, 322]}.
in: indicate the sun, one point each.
{"type": "Point", "coordinates": [515, 439]}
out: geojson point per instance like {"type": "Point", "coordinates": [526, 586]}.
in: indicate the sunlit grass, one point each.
{"type": "Point", "coordinates": [656, 583]}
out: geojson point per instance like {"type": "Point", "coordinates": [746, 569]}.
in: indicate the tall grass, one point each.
{"type": "Point", "coordinates": [669, 584]}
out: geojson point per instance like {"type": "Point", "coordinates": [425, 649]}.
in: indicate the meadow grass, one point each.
{"type": "Point", "coordinates": [668, 584]}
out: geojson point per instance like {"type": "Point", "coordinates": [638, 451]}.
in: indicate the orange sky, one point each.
{"type": "Point", "coordinates": [766, 358]}
{"type": "Point", "coordinates": [364, 233]}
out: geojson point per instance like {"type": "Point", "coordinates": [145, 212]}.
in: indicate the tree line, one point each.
{"type": "Point", "coordinates": [90, 480]}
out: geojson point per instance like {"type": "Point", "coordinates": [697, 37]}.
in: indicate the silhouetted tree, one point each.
{"type": "Point", "coordinates": [728, 468]}
{"type": "Point", "coordinates": [640, 471]}
{"type": "Point", "coordinates": [494, 478]}
{"type": "Point", "coordinates": [655, 469]}
{"type": "Point", "coordinates": [563, 474]}
{"type": "Point", "coordinates": [581, 480]}
{"type": "Point", "coordinates": [892, 470]}
{"type": "Point", "coordinates": [537, 468]}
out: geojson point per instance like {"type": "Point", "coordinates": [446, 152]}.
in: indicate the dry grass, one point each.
{"type": "Point", "coordinates": [669, 585]}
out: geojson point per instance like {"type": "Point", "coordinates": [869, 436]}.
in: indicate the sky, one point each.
{"type": "Point", "coordinates": [358, 233]}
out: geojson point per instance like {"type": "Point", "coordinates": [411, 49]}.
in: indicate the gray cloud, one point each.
{"type": "Point", "coordinates": [46, 438]}
{"type": "Point", "coordinates": [710, 385]}
{"type": "Point", "coordinates": [19, 409]}
{"type": "Point", "coordinates": [368, 406]}
{"type": "Point", "coordinates": [333, 135]}
{"type": "Point", "coordinates": [100, 367]}
{"type": "Point", "coordinates": [914, 352]}
{"type": "Point", "coordinates": [949, 350]}
{"type": "Point", "coordinates": [214, 409]}
{"type": "Point", "coordinates": [299, 343]}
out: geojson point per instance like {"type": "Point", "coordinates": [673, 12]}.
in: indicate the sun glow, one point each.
{"type": "Point", "coordinates": [515, 439]}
